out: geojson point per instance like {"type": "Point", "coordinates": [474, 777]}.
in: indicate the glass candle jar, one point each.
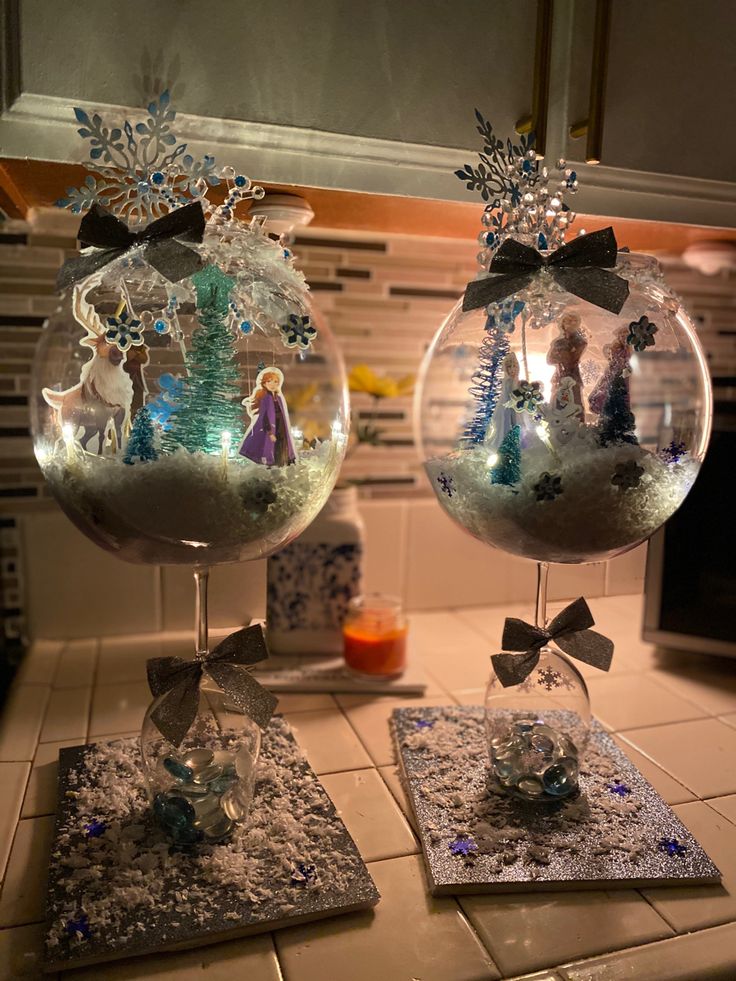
{"type": "Point", "coordinates": [374, 637]}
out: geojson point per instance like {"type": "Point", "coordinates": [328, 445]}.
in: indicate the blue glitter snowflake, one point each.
{"type": "Point", "coordinates": [143, 174]}
{"type": "Point", "coordinates": [526, 397]}
{"type": "Point", "coordinates": [673, 453]}
{"type": "Point", "coordinates": [303, 874]}
{"type": "Point", "coordinates": [424, 723]}
{"type": "Point", "coordinates": [672, 847]}
{"type": "Point", "coordinates": [548, 487]}
{"type": "Point", "coordinates": [298, 332]}
{"type": "Point", "coordinates": [628, 475]}
{"type": "Point", "coordinates": [124, 331]}
{"type": "Point", "coordinates": [79, 927]}
{"type": "Point", "coordinates": [503, 315]}
{"type": "Point", "coordinates": [463, 845]}
{"type": "Point", "coordinates": [95, 828]}
{"type": "Point", "coordinates": [620, 789]}
{"type": "Point", "coordinates": [641, 334]}
{"type": "Point", "coordinates": [161, 408]}
{"type": "Point", "coordinates": [447, 483]}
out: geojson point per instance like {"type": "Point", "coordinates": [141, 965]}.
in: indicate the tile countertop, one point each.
{"type": "Point", "coordinates": [674, 715]}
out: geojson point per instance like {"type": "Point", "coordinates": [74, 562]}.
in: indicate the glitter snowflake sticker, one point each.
{"type": "Point", "coordinates": [298, 332]}
{"type": "Point", "coordinates": [548, 487]}
{"type": "Point", "coordinates": [549, 678]}
{"type": "Point", "coordinates": [527, 397]}
{"type": "Point", "coordinates": [124, 331]}
{"type": "Point", "coordinates": [641, 334]}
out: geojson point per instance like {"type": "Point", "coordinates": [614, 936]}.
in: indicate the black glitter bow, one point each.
{"type": "Point", "coordinates": [569, 630]}
{"type": "Point", "coordinates": [579, 267]}
{"type": "Point", "coordinates": [112, 238]}
{"type": "Point", "coordinates": [179, 681]}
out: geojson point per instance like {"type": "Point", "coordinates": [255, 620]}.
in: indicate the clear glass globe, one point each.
{"type": "Point", "coordinates": [558, 431]}
{"type": "Point", "coordinates": [538, 730]}
{"type": "Point", "coordinates": [203, 788]}
{"type": "Point", "coordinates": [198, 422]}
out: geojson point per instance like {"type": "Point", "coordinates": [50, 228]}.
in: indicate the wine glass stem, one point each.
{"type": "Point", "coordinates": [540, 618]}
{"type": "Point", "coordinates": [201, 579]}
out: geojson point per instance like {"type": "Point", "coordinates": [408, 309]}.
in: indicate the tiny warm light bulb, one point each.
{"type": "Point", "coordinates": [542, 430]}
{"type": "Point", "coordinates": [297, 434]}
{"type": "Point", "coordinates": [67, 431]}
{"type": "Point", "coordinates": [226, 439]}
{"type": "Point", "coordinates": [492, 459]}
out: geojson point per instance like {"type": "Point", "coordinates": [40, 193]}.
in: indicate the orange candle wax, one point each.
{"type": "Point", "coordinates": [375, 653]}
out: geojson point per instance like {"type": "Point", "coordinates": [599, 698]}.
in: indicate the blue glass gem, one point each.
{"type": "Point", "coordinates": [222, 783]}
{"type": "Point", "coordinates": [490, 238]}
{"type": "Point", "coordinates": [287, 254]}
{"type": "Point", "coordinates": [95, 828]}
{"type": "Point", "coordinates": [527, 166]}
{"type": "Point", "coordinates": [179, 771]}
{"type": "Point", "coordinates": [78, 925]}
{"type": "Point", "coordinates": [144, 186]}
{"type": "Point", "coordinates": [246, 327]}
{"type": "Point", "coordinates": [161, 326]}
{"type": "Point", "coordinates": [560, 779]}
{"type": "Point", "coordinates": [542, 241]}
{"type": "Point", "coordinates": [157, 177]}
{"type": "Point", "coordinates": [240, 181]}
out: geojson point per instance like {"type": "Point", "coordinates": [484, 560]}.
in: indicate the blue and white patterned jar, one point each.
{"type": "Point", "coordinates": [311, 581]}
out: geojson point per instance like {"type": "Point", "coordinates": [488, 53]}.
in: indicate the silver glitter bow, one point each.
{"type": "Point", "coordinates": [569, 630]}
{"type": "Point", "coordinates": [580, 267]}
{"type": "Point", "coordinates": [178, 680]}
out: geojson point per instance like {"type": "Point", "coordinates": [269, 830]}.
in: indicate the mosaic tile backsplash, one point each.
{"type": "Point", "coordinates": [383, 296]}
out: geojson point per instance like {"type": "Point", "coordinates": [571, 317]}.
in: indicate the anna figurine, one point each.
{"type": "Point", "coordinates": [268, 439]}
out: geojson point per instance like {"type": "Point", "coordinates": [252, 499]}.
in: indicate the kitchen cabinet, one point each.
{"type": "Point", "coordinates": [379, 97]}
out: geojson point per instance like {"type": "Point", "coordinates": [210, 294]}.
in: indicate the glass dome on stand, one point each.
{"type": "Point", "coordinates": [171, 386]}
{"type": "Point", "coordinates": [563, 412]}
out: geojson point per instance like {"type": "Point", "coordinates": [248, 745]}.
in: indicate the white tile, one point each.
{"type": "Point", "coordinates": [69, 581]}
{"type": "Point", "coordinates": [290, 702]}
{"type": "Point", "coordinates": [21, 722]}
{"type": "Point", "coordinates": [329, 742]}
{"type": "Point", "coordinates": [237, 592]}
{"type": "Point", "coordinates": [666, 786]}
{"type": "Point", "coordinates": [123, 659]}
{"type": "Point", "coordinates": [446, 567]}
{"type": "Point", "coordinates": [408, 936]}
{"type": "Point", "coordinates": [384, 560]}
{"type": "Point", "coordinates": [76, 665]}
{"type": "Point", "coordinates": [119, 708]}
{"type": "Point", "coordinates": [625, 573]}
{"type": "Point", "coordinates": [371, 814]}
{"type": "Point", "coordinates": [695, 907]}
{"type": "Point", "coordinates": [390, 776]}
{"type": "Point", "coordinates": [67, 715]}
{"type": "Point", "coordinates": [42, 784]}
{"type": "Point", "coordinates": [24, 888]}
{"type": "Point", "coordinates": [629, 701]}
{"type": "Point", "coordinates": [370, 718]}
{"type": "Point", "coordinates": [39, 664]}
{"type": "Point", "coordinates": [13, 780]}
{"type": "Point", "coordinates": [21, 952]}
{"type": "Point", "coordinates": [251, 958]}
{"type": "Point", "coordinates": [528, 931]}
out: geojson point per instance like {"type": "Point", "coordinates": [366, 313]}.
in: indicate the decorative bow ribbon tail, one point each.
{"type": "Point", "coordinates": [109, 238]}
{"type": "Point", "coordinates": [570, 630]}
{"type": "Point", "coordinates": [178, 681]}
{"type": "Point", "coordinates": [580, 267]}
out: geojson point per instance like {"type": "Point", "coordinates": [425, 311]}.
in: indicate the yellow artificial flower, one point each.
{"type": "Point", "coordinates": [364, 379]}
{"type": "Point", "coordinates": [301, 397]}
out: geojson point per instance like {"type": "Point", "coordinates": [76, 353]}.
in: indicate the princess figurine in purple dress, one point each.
{"type": "Point", "coordinates": [268, 440]}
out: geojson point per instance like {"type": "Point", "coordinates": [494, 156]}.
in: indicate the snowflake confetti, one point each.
{"type": "Point", "coordinates": [548, 487]}
{"type": "Point", "coordinates": [303, 874]}
{"type": "Point", "coordinates": [641, 334]}
{"type": "Point", "coordinates": [620, 789]}
{"type": "Point", "coordinates": [95, 828]}
{"type": "Point", "coordinates": [549, 678]}
{"type": "Point", "coordinates": [79, 927]}
{"type": "Point", "coordinates": [298, 332]}
{"type": "Point", "coordinates": [672, 847]}
{"type": "Point", "coordinates": [447, 483]}
{"type": "Point", "coordinates": [424, 723]}
{"type": "Point", "coordinates": [628, 475]}
{"type": "Point", "coordinates": [463, 845]}
{"type": "Point", "coordinates": [673, 452]}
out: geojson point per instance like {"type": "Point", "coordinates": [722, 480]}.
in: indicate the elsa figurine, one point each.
{"type": "Point", "coordinates": [504, 418]}
{"type": "Point", "coordinates": [268, 440]}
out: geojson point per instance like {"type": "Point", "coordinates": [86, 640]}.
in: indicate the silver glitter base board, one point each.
{"type": "Point", "coordinates": [617, 832]}
{"type": "Point", "coordinates": [117, 888]}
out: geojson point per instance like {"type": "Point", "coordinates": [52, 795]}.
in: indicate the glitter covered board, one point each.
{"type": "Point", "coordinates": [117, 889]}
{"type": "Point", "coordinates": [475, 838]}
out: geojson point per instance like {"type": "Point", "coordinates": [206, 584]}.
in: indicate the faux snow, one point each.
{"type": "Point", "coordinates": [596, 840]}
{"type": "Point", "coordinates": [191, 507]}
{"type": "Point", "coordinates": [139, 894]}
{"type": "Point", "coordinates": [591, 519]}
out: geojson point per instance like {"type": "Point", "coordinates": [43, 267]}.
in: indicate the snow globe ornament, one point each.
{"type": "Point", "coordinates": [564, 406]}
{"type": "Point", "coordinates": [172, 387]}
